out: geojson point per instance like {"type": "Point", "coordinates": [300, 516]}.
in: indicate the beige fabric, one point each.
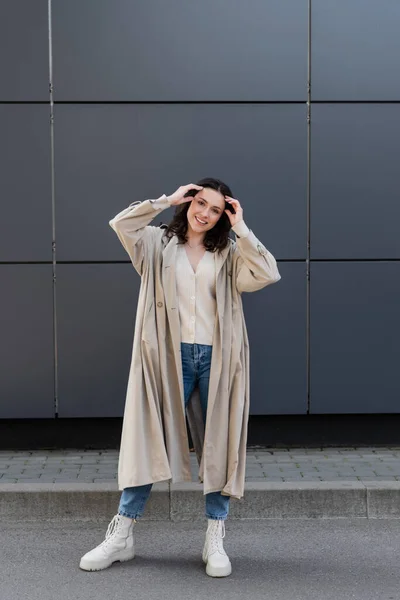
{"type": "Point", "coordinates": [154, 442]}
{"type": "Point", "coordinates": [241, 229]}
{"type": "Point", "coordinates": [196, 297]}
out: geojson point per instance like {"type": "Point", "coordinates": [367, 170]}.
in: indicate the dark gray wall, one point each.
{"type": "Point", "coordinates": [148, 95]}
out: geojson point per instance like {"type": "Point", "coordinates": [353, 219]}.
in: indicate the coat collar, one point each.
{"type": "Point", "coordinates": [170, 249]}
{"type": "Point", "coordinates": [169, 286]}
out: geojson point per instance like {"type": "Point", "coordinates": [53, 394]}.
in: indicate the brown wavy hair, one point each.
{"type": "Point", "coordinates": [216, 238]}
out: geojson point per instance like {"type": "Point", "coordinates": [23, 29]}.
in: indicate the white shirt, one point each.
{"type": "Point", "coordinates": [196, 297]}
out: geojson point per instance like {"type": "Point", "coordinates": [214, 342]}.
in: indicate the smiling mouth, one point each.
{"type": "Point", "coordinates": [200, 222]}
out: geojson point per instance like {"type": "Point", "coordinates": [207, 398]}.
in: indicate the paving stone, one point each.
{"type": "Point", "coordinates": [32, 480]}
{"type": "Point", "coordinates": [72, 453]}
{"type": "Point", "coordinates": [364, 473]}
{"type": "Point", "coordinates": [377, 455]}
{"type": "Point", "coordinates": [268, 469]}
{"type": "Point", "coordinates": [379, 478]}
{"type": "Point", "coordinates": [347, 468]}
{"type": "Point", "coordinates": [70, 470]}
{"type": "Point", "coordinates": [113, 467]}
{"type": "Point", "coordinates": [305, 457]}
{"type": "Point", "coordinates": [51, 469]}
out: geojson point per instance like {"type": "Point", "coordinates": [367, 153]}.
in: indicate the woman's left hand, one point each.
{"type": "Point", "coordinates": [237, 216]}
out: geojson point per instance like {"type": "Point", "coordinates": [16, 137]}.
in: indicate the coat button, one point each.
{"type": "Point", "coordinates": [159, 304]}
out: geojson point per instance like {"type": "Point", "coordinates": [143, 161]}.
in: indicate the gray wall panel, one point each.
{"type": "Point", "coordinates": [355, 208]}
{"type": "Point", "coordinates": [110, 155]}
{"type": "Point", "coordinates": [153, 94]}
{"type": "Point", "coordinates": [276, 323]}
{"type": "Point", "coordinates": [177, 50]}
{"type": "Point", "coordinates": [25, 183]}
{"type": "Point", "coordinates": [26, 342]}
{"type": "Point", "coordinates": [24, 56]}
{"type": "Point", "coordinates": [355, 50]}
{"type": "Point", "coordinates": [355, 337]}
{"type": "Point", "coordinates": [96, 308]}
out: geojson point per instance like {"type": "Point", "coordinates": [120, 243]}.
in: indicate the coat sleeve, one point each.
{"type": "Point", "coordinates": [255, 266]}
{"type": "Point", "coordinates": [133, 230]}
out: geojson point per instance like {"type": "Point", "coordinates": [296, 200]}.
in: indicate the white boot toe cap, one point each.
{"type": "Point", "coordinates": [218, 565]}
{"type": "Point", "coordinates": [91, 561]}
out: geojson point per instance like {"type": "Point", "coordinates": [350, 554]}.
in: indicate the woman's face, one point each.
{"type": "Point", "coordinates": [205, 210]}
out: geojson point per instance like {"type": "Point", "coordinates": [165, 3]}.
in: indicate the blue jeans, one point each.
{"type": "Point", "coordinates": [196, 365]}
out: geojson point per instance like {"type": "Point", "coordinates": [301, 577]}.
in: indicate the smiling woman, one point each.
{"type": "Point", "coordinates": [190, 358]}
{"type": "Point", "coordinates": [202, 219]}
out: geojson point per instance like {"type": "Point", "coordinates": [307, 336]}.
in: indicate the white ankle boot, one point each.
{"type": "Point", "coordinates": [119, 545]}
{"type": "Point", "coordinates": [214, 555]}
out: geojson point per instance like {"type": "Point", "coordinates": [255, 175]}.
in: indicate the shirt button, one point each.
{"type": "Point", "coordinates": [159, 304]}
{"type": "Point", "coordinates": [192, 297]}
{"type": "Point", "coordinates": [193, 318]}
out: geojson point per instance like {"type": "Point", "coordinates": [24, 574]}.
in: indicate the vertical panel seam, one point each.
{"type": "Point", "coordinates": [308, 313]}
{"type": "Point", "coordinates": [52, 177]}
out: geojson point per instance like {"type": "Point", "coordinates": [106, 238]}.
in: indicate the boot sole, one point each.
{"type": "Point", "coordinates": [87, 566]}
{"type": "Point", "coordinates": [219, 571]}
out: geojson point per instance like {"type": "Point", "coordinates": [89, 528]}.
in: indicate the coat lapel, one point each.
{"type": "Point", "coordinates": [220, 258]}
{"type": "Point", "coordinates": [216, 361]}
{"type": "Point", "coordinates": [171, 301]}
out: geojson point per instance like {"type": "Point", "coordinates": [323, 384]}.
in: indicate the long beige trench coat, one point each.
{"type": "Point", "coordinates": [154, 442]}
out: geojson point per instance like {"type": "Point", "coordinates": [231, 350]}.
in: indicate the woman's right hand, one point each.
{"type": "Point", "coordinates": [178, 197]}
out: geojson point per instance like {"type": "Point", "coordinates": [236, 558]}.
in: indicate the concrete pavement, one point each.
{"type": "Point", "coordinates": [355, 559]}
{"type": "Point", "coordinates": [295, 464]}
{"type": "Point", "coordinates": [280, 483]}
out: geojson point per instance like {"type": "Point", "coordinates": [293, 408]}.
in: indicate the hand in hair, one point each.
{"type": "Point", "coordinates": [180, 196]}
{"type": "Point", "coordinates": [236, 216]}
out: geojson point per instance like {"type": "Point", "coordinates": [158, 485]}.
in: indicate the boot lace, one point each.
{"type": "Point", "coordinates": [111, 530]}
{"type": "Point", "coordinates": [216, 533]}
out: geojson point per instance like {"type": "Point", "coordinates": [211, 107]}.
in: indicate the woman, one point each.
{"type": "Point", "coordinates": [190, 354]}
